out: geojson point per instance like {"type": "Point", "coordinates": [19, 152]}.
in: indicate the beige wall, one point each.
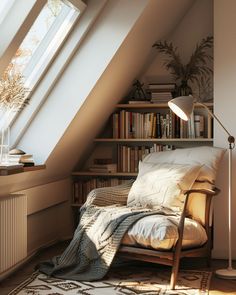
{"type": "Point", "coordinates": [49, 226]}
{"type": "Point", "coordinates": [50, 217]}
{"type": "Point", "coordinates": [225, 106]}
{"type": "Point", "coordinates": [195, 25]}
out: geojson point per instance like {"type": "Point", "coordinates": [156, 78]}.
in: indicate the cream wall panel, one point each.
{"type": "Point", "coordinates": [48, 226]}
{"type": "Point", "coordinates": [44, 196]}
{"type": "Point", "coordinates": [224, 105]}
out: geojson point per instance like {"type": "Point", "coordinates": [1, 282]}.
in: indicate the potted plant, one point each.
{"type": "Point", "coordinates": [197, 70]}
{"type": "Point", "coordinates": [13, 97]}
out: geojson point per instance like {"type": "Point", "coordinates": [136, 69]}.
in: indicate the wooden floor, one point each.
{"type": "Point", "coordinates": [218, 286]}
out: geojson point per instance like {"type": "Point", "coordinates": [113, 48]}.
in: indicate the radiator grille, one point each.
{"type": "Point", "coordinates": [13, 231]}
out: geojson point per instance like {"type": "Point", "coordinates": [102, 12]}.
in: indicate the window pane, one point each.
{"type": "Point", "coordinates": [5, 6]}
{"type": "Point", "coordinates": [43, 40]}
{"type": "Point", "coordinates": [40, 44]}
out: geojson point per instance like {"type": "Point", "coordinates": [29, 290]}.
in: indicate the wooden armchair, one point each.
{"type": "Point", "coordinates": [118, 195]}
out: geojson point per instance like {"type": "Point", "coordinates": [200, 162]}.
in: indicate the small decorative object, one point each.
{"type": "Point", "coordinates": [137, 93]}
{"type": "Point", "coordinates": [196, 70]}
{"type": "Point", "coordinates": [13, 97]}
{"type": "Point", "coordinates": [16, 152]}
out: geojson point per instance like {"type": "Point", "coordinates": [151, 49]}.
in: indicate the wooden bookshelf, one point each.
{"type": "Point", "coordinates": [129, 150]}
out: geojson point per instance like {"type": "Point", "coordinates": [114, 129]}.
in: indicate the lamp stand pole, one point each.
{"type": "Point", "coordinates": [230, 272]}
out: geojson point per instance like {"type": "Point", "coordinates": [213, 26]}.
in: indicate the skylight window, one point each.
{"type": "Point", "coordinates": [40, 45]}
{"type": "Point", "coordinates": [43, 40]}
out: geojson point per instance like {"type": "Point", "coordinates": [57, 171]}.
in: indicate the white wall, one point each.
{"type": "Point", "coordinates": [225, 105]}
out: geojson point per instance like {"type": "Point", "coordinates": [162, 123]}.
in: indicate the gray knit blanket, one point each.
{"type": "Point", "coordinates": [98, 236]}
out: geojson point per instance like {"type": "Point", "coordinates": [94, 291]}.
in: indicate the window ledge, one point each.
{"type": "Point", "coordinates": [6, 172]}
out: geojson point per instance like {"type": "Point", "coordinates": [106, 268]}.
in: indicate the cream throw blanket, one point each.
{"type": "Point", "coordinates": [98, 235]}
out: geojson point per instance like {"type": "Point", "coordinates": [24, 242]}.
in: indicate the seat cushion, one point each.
{"type": "Point", "coordinates": [162, 185]}
{"type": "Point", "coordinates": [160, 232]}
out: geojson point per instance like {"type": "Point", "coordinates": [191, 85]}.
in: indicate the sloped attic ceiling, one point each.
{"type": "Point", "coordinates": [108, 60]}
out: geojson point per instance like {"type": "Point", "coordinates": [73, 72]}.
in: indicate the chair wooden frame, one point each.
{"type": "Point", "coordinates": [172, 258]}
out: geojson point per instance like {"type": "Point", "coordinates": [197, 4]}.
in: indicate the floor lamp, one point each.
{"type": "Point", "coordinates": [183, 106]}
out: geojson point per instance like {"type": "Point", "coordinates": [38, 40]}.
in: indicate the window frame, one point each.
{"type": "Point", "coordinates": [77, 5]}
{"type": "Point", "coordinates": [55, 70]}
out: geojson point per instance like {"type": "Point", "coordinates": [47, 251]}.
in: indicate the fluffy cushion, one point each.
{"type": "Point", "coordinates": [161, 233]}
{"type": "Point", "coordinates": [207, 156]}
{"type": "Point", "coordinates": [161, 185]}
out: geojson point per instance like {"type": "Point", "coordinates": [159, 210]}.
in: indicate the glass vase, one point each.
{"type": "Point", "coordinates": [4, 145]}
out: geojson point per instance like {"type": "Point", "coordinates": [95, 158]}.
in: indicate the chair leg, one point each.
{"type": "Point", "coordinates": [174, 274]}
{"type": "Point", "coordinates": [209, 258]}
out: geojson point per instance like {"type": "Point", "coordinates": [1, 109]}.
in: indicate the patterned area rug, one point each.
{"type": "Point", "coordinates": [131, 281]}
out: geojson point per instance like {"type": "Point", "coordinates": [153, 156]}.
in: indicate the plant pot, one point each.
{"type": "Point", "coordinates": [184, 89]}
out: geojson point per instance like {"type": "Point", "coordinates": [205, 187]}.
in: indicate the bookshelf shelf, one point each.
{"type": "Point", "coordinates": [116, 174]}
{"type": "Point", "coordinates": [153, 105]}
{"type": "Point", "coordinates": [160, 140]}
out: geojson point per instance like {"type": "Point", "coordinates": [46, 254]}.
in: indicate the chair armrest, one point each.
{"type": "Point", "coordinates": [203, 191]}
{"type": "Point", "coordinates": [107, 196]}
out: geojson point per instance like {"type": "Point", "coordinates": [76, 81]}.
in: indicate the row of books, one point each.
{"type": "Point", "coordinates": [129, 157]}
{"type": "Point", "coordinates": [156, 125]}
{"type": "Point", "coordinates": [82, 187]}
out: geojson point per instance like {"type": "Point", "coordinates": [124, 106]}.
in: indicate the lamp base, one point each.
{"type": "Point", "coordinates": [227, 273]}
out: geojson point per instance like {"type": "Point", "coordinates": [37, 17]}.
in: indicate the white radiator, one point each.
{"type": "Point", "coordinates": [13, 231]}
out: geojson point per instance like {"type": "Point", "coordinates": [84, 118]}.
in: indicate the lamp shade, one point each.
{"type": "Point", "coordinates": [182, 106]}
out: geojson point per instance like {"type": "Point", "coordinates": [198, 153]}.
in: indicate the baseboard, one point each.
{"type": "Point", "coordinates": [14, 268]}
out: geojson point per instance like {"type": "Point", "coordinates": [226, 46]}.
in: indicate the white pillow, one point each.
{"type": "Point", "coordinates": [161, 185]}
{"type": "Point", "coordinates": [207, 156]}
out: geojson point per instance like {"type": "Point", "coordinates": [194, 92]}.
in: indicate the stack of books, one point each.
{"type": "Point", "coordinates": [161, 93]}
{"type": "Point", "coordinates": [103, 168]}
{"type": "Point", "coordinates": [103, 165]}
{"type": "Point", "coordinates": [20, 158]}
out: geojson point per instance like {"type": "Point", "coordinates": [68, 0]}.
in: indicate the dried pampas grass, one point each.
{"type": "Point", "coordinates": [13, 93]}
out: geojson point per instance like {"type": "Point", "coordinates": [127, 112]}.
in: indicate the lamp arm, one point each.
{"type": "Point", "coordinates": [231, 139]}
